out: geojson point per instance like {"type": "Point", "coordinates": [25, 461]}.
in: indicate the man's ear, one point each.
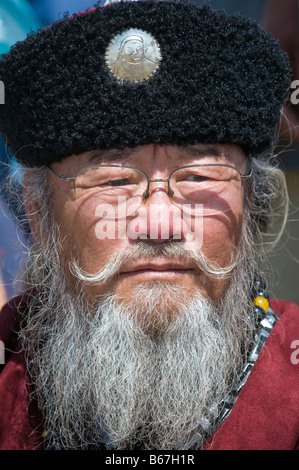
{"type": "Point", "coordinates": [32, 210]}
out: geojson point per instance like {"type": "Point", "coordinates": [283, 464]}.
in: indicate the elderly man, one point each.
{"type": "Point", "coordinates": [152, 200]}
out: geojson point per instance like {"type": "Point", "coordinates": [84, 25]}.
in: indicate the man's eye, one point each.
{"type": "Point", "coordinates": [122, 182]}
{"type": "Point", "coordinates": [197, 178]}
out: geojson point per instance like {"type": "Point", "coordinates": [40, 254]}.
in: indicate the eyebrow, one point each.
{"type": "Point", "coordinates": [201, 151]}
{"type": "Point", "coordinates": [99, 155]}
{"type": "Point", "coordinates": [111, 155]}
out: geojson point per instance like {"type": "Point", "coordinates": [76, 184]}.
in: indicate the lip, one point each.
{"type": "Point", "coordinates": [156, 269]}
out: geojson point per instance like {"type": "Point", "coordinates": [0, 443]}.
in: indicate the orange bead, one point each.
{"type": "Point", "coordinates": [261, 302]}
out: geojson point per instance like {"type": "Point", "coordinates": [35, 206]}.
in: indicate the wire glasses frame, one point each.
{"type": "Point", "coordinates": [72, 179]}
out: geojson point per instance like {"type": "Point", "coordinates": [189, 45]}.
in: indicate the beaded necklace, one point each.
{"type": "Point", "coordinates": [265, 319]}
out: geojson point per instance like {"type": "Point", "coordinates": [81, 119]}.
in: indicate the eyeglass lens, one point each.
{"type": "Point", "coordinates": [121, 190]}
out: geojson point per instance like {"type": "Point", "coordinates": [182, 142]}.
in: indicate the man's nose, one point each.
{"type": "Point", "coordinates": [158, 218]}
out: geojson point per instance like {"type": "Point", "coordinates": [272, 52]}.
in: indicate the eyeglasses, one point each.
{"type": "Point", "coordinates": [124, 188]}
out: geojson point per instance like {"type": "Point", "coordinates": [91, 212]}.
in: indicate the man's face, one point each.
{"type": "Point", "coordinates": [133, 51]}
{"type": "Point", "coordinates": [220, 230]}
{"type": "Point", "coordinates": [153, 317]}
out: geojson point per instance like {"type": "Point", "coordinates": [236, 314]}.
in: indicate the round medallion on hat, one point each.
{"type": "Point", "coordinates": [133, 55]}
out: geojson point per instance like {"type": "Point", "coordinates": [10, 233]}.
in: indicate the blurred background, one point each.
{"type": "Point", "coordinates": [19, 17]}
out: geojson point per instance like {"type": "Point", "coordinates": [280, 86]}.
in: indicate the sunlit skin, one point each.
{"type": "Point", "coordinates": [220, 233]}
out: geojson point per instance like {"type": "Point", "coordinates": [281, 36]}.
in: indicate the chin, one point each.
{"type": "Point", "coordinates": [154, 306]}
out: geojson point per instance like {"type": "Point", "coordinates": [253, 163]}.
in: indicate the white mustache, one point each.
{"type": "Point", "coordinates": [169, 250]}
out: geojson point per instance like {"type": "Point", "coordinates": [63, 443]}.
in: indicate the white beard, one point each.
{"type": "Point", "coordinates": [108, 368]}
{"type": "Point", "coordinates": [104, 372]}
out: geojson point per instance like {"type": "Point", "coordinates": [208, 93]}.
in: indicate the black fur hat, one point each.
{"type": "Point", "coordinates": [210, 78]}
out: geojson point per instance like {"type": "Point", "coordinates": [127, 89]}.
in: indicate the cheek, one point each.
{"type": "Point", "coordinates": [80, 237]}
{"type": "Point", "coordinates": [221, 234]}
{"type": "Point", "coordinates": [89, 245]}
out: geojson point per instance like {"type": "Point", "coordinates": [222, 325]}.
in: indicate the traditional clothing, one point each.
{"type": "Point", "coordinates": [264, 417]}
